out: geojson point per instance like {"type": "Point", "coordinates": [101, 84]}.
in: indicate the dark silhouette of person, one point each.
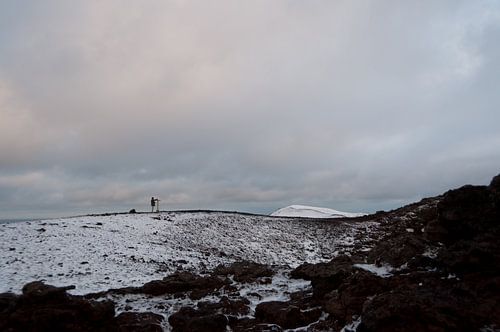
{"type": "Point", "coordinates": [153, 203]}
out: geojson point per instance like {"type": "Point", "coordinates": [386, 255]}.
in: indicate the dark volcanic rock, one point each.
{"type": "Point", "coordinates": [464, 291]}
{"type": "Point", "coordinates": [349, 298]}
{"type": "Point", "coordinates": [252, 325]}
{"type": "Point", "coordinates": [38, 290]}
{"type": "Point", "coordinates": [245, 271]}
{"type": "Point", "coordinates": [285, 314]}
{"type": "Point", "coordinates": [341, 264]}
{"type": "Point", "coordinates": [466, 256]}
{"type": "Point", "coordinates": [469, 225]}
{"type": "Point", "coordinates": [325, 277]}
{"type": "Point", "coordinates": [397, 250]}
{"type": "Point", "coordinates": [183, 282]}
{"type": "Point", "coordinates": [191, 320]}
{"type": "Point", "coordinates": [465, 213]}
{"type": "Point", "coordinates": [179, 283]}
{"type": "Point", "coordinates": [454, 287]}
{"type": "Point", "coordinates": [436, 308]}
{"type": "Point", "coordinates": [8, 301]}
{"type": "Point", "coordinates": [47, 308]}
{"type": "Point", "coordinates": [235, 307]}
{"type": "Point", "coordinates": [139, 321]}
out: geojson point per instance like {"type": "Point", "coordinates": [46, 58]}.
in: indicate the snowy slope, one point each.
{"type": "Point", "coordinates": [304, 211]}
{"type": "Point", "coordinates": [101, 252]}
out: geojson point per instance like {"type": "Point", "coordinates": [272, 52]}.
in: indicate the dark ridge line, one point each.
{"type": "Point", "coordinates": [106, 214]}
{"type": "Point", "coordinates": [360, 218]}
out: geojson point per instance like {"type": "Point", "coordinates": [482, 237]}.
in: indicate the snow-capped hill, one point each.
{"type": "Point", "coordinates": [304, 211]}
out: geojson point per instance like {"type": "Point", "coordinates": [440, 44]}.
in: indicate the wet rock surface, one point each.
{"type": "Point", "coordinates": [429, 266]}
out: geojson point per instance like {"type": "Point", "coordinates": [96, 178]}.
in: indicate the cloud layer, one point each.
{"type": "Point", "coordinates": [244, 105]}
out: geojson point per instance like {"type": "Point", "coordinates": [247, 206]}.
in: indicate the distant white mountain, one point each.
{"type": "Point", "coordinates": [305, 211]}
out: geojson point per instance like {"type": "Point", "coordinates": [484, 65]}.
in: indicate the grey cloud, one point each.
{"type": "Point", "coordinates": [245, 105]}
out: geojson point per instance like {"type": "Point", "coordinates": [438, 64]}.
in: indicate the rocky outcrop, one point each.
{"type": "Point", "coordinates": [43, 307]}
{"type": "Point", "coordinates": [47, 308]}
{"type": "Point", "coordinates": [454, 288]}
{"type": "Point", "coordinates": [444, 260]}
{"type": "Point", "coordinates": [433, 304]}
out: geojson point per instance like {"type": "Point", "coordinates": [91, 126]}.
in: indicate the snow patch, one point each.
{"type": "Point", "coordinates": [431, 252]}
{"type": "Point", "coordinates": [353, 326]}
{"type": "Point", "coordinates": [383, 271]}
{"type": "Point", "coordinates": [304, 211]}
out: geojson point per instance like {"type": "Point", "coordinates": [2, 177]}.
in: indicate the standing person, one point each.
{"type": "Point", "coordinates": [153, 201]}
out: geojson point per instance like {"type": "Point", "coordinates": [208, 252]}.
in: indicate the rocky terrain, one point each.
{"type": "Point", "coordinates": [429, 266]}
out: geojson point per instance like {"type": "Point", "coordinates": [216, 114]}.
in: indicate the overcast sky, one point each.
{"type": "Point", "coordinates": [244, 105]}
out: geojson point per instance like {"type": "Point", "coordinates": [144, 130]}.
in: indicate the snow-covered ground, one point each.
{"type": "Point", "coordinates": [304, 211]}
{"type": "Point", "coordinates": [96, 253]}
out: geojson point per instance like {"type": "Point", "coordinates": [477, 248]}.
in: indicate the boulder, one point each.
{"type": "Point", "coordinates": [349, 298]}
{"type": "Point", "coordinates": [183, 282]}
{"type": "Point", "coordinates": [285, 314]}
{"type": "Point", "coordinates": [245, 271]}
{"type": "Point", "coordinates": [191, 320]}
{"type": "Point", "coordinates": [398, 249]}
{"type": "Point", "coordinates": [325, 277]}
{"type": "Point", "coordinates": [48, 308]}
{"type": "Point", "coordinates": [464, 213]}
